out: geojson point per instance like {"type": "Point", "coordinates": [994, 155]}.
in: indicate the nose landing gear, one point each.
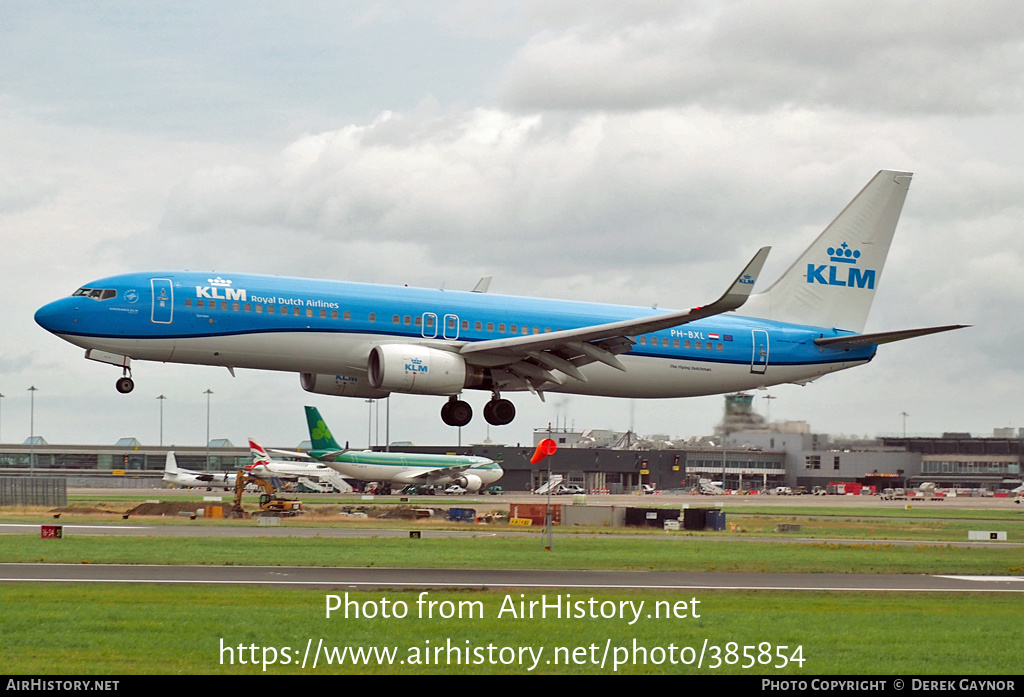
{"type": "Point", "coordinates": [125, 384]}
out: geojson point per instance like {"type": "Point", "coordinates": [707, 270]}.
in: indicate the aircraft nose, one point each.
{"type": "Point", "coordinates": [57, 316]}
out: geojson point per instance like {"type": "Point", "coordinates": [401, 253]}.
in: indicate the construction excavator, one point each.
{"type": "Point", "coordinates": [270, 502]}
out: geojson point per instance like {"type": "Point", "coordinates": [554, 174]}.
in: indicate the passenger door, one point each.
{"type": "Point", "coordinates": [163, 300]}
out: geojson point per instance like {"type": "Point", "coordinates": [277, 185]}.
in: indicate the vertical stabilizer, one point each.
{"type": "Point", "coordinates": [833, 282]}
{"type": "Point", "coordinates": [319, 435]}
{"type": "Point", "coordinates": [258, 453]}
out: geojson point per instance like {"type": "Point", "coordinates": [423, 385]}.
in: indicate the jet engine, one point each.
{"type": "Point", "coordinates": [470, 482]}
{"type": "Point", "coordinates": [339, 386]}
{"type": "Point", "coordinates": [415, 369]}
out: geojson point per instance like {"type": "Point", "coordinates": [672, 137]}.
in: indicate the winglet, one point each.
{"type": "Point", "coordinates": [741, 288]}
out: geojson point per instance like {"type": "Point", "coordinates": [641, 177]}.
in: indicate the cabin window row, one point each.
{"type": "Point", "coordinates": [409, 320]}
{"type": "Point", "coordinates": [235, 306]}
{"type": "Point", "coordinates": [686, 343]}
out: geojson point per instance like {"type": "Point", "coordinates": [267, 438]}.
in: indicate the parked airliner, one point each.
{"type": "Point", "coordinates": [367, 341]}
{"type": "Point", "coordinates": [470, 472]}
{"type": "Point", "coordinates": [265, 467]}
{"type": "Point", "coordinates": [178, 476]}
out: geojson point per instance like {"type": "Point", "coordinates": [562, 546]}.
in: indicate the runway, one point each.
{"type": "Point", "coordinates": [392, 578]}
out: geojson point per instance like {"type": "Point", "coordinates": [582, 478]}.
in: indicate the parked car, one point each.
{"type": "Point", "coordinates": [571, 489]}
{"type": "Point", "coordinates": [455, 489]}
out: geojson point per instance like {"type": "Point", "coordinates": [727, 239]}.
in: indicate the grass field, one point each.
{"type": "Point", "coordinates": [570, 552]}
{"type": "Point", "coordinates": [114, 629]}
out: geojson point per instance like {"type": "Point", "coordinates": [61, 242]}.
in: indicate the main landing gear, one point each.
{"type": "Point", "coordinates": [497, 412]}
{"type": "Point", "coordinates": [455, 412]}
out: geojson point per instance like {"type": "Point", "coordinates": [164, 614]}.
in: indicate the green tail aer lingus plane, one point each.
{"type": "Point", "coordinates": [470, 472]}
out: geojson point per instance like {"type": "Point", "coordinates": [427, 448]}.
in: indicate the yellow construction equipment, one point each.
{"type": "Point", "coordinates": [270, 502]}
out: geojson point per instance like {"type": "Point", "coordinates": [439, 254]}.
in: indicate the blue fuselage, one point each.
{"type": "Point", "coordinates": [330, 327]}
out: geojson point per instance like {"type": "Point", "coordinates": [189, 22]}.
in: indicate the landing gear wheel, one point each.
{"type": "Point", "coordinates": [455, 412]}
{"type": "Point", "coordinates": [499, 412]}
{"type": "Point", "coordinates": [125, 385]}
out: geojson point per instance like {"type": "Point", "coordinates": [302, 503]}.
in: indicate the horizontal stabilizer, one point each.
{"type": "Point", "coordinates": [856, 340]}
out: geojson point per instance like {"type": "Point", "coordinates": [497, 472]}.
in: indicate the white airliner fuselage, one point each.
{"type": "Point", "coordinates": [177, 476]}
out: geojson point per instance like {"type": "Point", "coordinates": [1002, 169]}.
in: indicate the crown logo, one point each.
{"type": "Point", "coordinates": [843, 254]}
{"type": "Point", "coordinates": [226, 284]}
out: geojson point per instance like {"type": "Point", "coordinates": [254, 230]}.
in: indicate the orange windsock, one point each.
{"type": "Point", "coordinates": [544, 448]}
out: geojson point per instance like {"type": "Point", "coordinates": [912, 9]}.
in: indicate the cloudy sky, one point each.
{"type": "Point", "coordinates": [636, 153]}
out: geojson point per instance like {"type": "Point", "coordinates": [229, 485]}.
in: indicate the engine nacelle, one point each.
{"type": "Point", "coordinates": [340, 386]}
{"type": "Point", "coordinates": [470, 482]}
{"type": "Point", "coordinates": [415, 369]}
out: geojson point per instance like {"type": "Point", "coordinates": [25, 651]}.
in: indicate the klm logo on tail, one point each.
{"type": "Point", "coordinates": [846, 275]}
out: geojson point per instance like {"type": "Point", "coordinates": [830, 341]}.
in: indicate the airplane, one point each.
{"type": "Point", "coordinates": [265, 467]}
{"type": "Point", "coordinates": [470, 472]}
{"type": "Point", "coordinates": [369, 341]}
{"type": "Point", "coordinates": [177, 476]}
{"type": "Point", "coordinates": [1019, 491]}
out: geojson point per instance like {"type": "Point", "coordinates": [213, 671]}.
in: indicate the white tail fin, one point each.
{"type": "Point", "coordinates": [833, 282]}
{"type": "Point", "coordinates": [171, 463]}
{"type": "Point", "coordinates": [259, 455]}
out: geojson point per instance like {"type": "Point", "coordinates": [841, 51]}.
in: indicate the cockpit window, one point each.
{"type": "Point", "coordinates": [95, 293]}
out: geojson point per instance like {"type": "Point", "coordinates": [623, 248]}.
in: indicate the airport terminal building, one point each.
{"type": "Point", "coordinates": [751, 460]}
{"type": "Point", "coordinates": [746, 453]}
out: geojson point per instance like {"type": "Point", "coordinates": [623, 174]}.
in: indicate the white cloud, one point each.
{"type": "Point", "coordinates": [633, 152]}
{"type": "Point", "coordinates": [875, 57]}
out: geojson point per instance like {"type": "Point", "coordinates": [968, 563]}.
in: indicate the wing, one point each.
{"type": "Point", "coordinates": [531, 358]}
{"type": "Point", "coordinates": [437, 473]}
{"type": "Point", "coordinates": [292, 453]}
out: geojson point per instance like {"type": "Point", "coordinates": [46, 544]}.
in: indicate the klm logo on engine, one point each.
{"type": "Point", "coordinates": [843, 270]}
{"type": "Point", "coordinates": [220, 289]}
{"type": "Point", "coordinates": [415, 365]}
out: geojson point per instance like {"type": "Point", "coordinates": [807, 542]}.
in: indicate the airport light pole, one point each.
{"type": "Point", "coordinates": [1, 421]}
{"type": "Point", "coordinates": [161, 398]}
{"type": "Point", "coordinates": [208, 393]}
{"type": "Point", "coordinates": [369, 424]}
{"type": "Point", "coordinates": [724, 458]}
{"type": "Point", "coordinates": [32, 432]}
